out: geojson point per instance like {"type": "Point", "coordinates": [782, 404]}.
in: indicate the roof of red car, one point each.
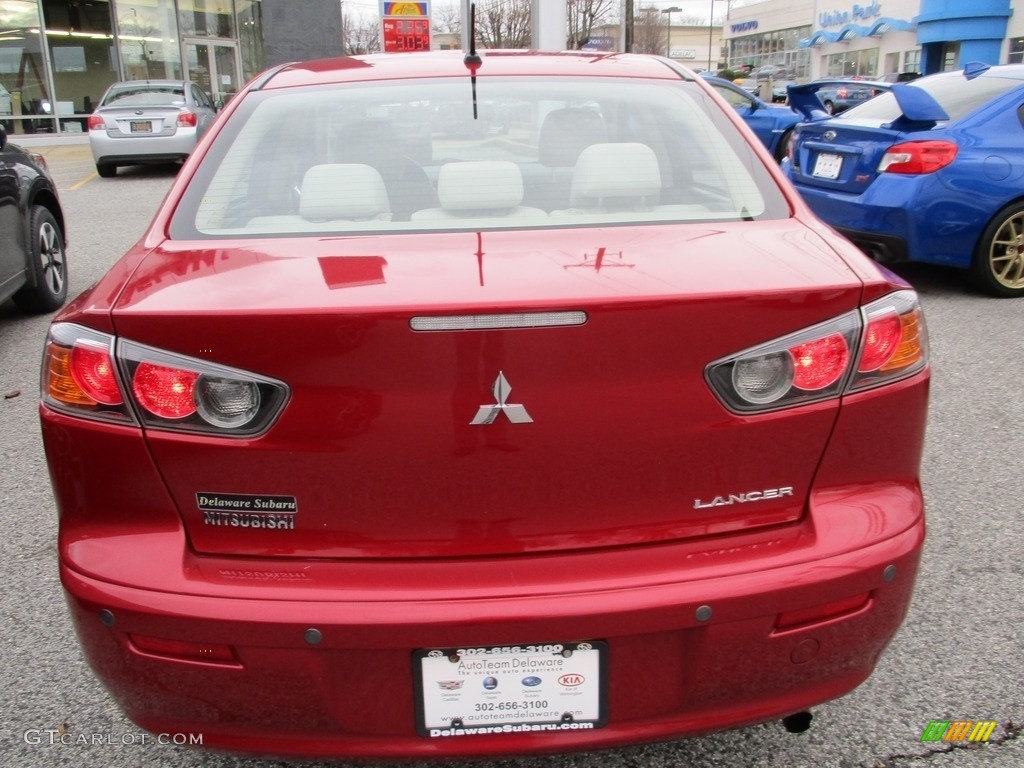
{"type": "Point", "coordinates": [406, 66]}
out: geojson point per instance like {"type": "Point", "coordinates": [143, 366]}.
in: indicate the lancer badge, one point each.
{"type": "Point", "coordinates": [488, 413]}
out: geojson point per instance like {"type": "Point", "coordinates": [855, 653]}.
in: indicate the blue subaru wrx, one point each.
{"type": "Point", "coordinates": [931, 171]}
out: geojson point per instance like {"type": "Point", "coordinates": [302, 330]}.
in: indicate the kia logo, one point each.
{"type": "Point", "coordinates": [571, 681]}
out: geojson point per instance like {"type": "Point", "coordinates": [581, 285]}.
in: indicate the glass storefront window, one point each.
{"type": "Point", "coordinates": [80, 43]}
{"type": "Point", "coordinates": [1016, 53]}
{"type": "Point", "coordinates": [250, 37]}
{"type": "Point", "coordinates": [912, 61]}
{"type": "Point", "coordinates": [148, 40]}
{"type": "Point", "coordinates": [852, 64]}
{"type": "Point", "coordinates": [205, 18]}
{"type": "Point", "coordinates": [25, 103]}
{"type": "Point", "coordinates": [907, 61]}
{"type": "Point", "coordinates": [777, 47]}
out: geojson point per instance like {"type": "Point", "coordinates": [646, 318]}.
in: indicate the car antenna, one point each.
{"type": "Point", "coordinates": [472, 59]}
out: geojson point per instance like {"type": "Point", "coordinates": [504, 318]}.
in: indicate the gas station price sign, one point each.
{"type": "Point", "coordinates": [405, 26]}
{"type": "Point", "coordinates": [405, 33]}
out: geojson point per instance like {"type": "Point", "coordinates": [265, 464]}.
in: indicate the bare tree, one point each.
{"type": "Point", "coordinates": [361, 36]}
{"type": "Point", "coordinates": [447, 19]}
{"type": "Point", "coordinates": [583, 16]}
{"type": "Point", "coordinates": [506, 23]}
{"type": "Point", "coordinates": [650, 35]}
{"type": "Point", "coordinates": [503, 24]}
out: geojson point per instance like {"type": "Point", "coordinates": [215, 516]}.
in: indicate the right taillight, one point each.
{"type": "Point", "coordinates": [912, 157]}
{"type": "Point", "coordinates": [187, 119]}
{"type": "Point", "coordinates": [92, 375]}
{"type": "Point", "coordinates": [895, 341]}
{"type": "Point", "coordinates": [882, 342]}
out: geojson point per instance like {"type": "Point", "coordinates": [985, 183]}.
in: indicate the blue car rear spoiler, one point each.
{"type": "Point", "coordinates": [918, 108]}
{"type": "Point", "coordinates": [917, 105]}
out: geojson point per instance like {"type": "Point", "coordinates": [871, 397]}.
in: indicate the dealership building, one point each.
{"type": "Point", "coordinates": [807, 39]}
{"type": "Point", "coordinates": [57, 57]}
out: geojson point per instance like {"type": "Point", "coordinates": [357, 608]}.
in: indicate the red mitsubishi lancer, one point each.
{"type": "Point", "coordinates": [457, 406]}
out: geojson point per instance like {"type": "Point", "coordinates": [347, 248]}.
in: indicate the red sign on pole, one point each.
{"type": "Point", "coordinates": [405, 27]}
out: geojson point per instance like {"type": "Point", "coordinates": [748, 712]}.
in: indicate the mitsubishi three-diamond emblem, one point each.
{"type": "Point", "coordinates": [488, 413]}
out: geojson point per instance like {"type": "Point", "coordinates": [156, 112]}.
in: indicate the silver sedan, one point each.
{"type": "Point", "coordinates": [148, 121]}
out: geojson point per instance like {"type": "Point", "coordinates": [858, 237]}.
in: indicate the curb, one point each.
{"type": "Point", "coordinates": [35, 140]}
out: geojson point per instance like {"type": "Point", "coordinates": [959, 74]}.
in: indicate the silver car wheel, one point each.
{"type": "Point", "coordinates": [51, 257]}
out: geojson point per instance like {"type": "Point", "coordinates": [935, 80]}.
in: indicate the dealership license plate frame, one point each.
{"type": "Point", "coordinates": [827, 165]}
{"type": "Point", "coordinates": [140, 126]}
{"type": "Point", "coordinates": [481, 690]}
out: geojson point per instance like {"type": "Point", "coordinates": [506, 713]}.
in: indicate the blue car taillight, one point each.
{"type": "Point", "coordinates": [915, 157]}
{"type": "Point", "coordinates": [882, 342]}
{"type": "Point", "coordinates": [90, 374]}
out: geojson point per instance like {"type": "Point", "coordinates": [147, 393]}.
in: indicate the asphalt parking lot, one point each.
{"type": "Point", "coordinates": [958, 657]}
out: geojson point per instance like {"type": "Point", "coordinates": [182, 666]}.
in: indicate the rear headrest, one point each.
{"type": "Point", "coordinates": [373, 142]}
{"type": "Point", "coordinates": [482, 185]}
{"type": "Point", "coordinates": [343, 191]}
{"type": "Point", "coordinates": [607, 171]}
{"type": "Point", "coordinates": [566, 132]}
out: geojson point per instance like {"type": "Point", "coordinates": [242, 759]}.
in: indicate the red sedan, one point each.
{"type": "Point", "coordinates": [455, 407]}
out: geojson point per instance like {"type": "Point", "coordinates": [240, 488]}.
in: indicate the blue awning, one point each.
{"type": "Point", "coordinates": [850, 31]}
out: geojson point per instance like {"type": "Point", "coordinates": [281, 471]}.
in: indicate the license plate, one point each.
{"type": "Point", "coordinates": [141, 126]}
{"type": "Point", "coordinates": [828, 165]}
{"type": "Point", "coordinates": [518, 689]}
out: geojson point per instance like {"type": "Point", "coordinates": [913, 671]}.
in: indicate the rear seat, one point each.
{"type": "Point", "coordinates": [563, 135]}
{"type": "Point", "coordinates": [479, 190]}
{"type": "Point", "coordinates": [334, 196]}
{"type": "Point", "coordinates": [619, 177]}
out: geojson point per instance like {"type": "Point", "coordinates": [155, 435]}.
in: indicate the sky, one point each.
{"type": "Point", "coordinates": [698, 10]}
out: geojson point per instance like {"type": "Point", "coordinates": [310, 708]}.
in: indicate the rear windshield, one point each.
{"type": "Point", "coordinates": [956, 96]}
{"type": "Point", "coordinates": [145, 96]}
{"type": "Point", "coordinates": [440, 155]}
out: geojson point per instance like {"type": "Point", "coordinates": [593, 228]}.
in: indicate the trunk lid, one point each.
{"type": "Point", "coordinates": [843, 154]}
{"type": "Point", "coordinates": [140, 121]}
{"type": "Point", "coordinates": [840, 156]}
{"type": "Point", "coordinates": [624, 443]}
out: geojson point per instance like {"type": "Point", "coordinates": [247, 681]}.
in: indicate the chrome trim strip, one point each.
{"type": "Point", "coordinates": [498, 321]}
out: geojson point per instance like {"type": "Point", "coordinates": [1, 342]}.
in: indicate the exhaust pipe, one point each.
{"type": "Point", "coordinates": [797, 723]}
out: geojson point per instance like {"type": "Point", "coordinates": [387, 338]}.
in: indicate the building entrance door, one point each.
{"type": "Point", "coordinates": [214, 66]}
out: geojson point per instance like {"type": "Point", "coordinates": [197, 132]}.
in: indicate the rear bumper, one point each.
{"type": "Point", "coordinates": [669, 674]}
{"type": "Point", "coordinates": [884, 248]}
{"type": "Point", "coordinates": [128, 150]}
{"type": "Point", "coordinates": [882, 230]}
{"type": "Point", "coordinates": [905, 218]}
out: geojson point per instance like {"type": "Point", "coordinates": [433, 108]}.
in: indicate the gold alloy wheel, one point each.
{"type": "Point", "coordinates": [1006, 253]}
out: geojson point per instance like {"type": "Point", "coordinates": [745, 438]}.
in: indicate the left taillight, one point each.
{"type": "Point", "coordinates": [80, 376]}
{"type": "Point", "coordinates": [95, 123]}
{"type": "Point", "coordinates": [882, 342]}
{"type": "Point", "coordinates": [90, 374]}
